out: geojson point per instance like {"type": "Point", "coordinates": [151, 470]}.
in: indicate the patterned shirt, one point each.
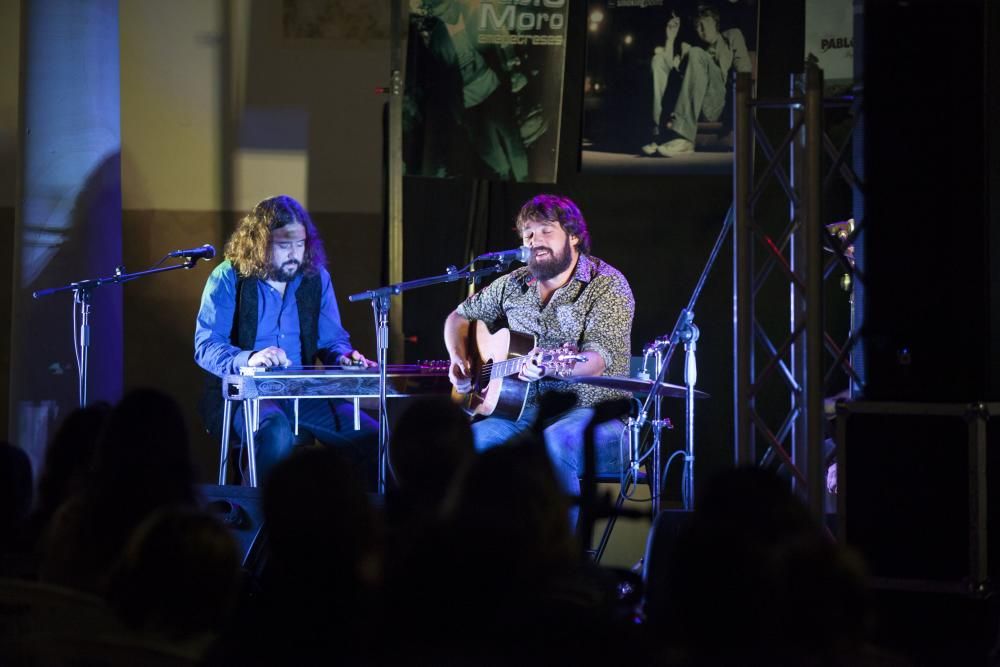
{"type": "Point", "coordinates": [593, 311]}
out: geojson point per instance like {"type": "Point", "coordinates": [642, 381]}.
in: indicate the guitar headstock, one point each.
{"type": "Point", "coordinates": [433, 365]}
{"type": "Point", "coordinates": [563, 359]}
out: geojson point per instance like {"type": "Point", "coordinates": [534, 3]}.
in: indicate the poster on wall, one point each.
{"type": "Point", "coordinates": [830, 42]}
{"type": "Point", "coordinates": [334, 22]}
{"type": "Point", "coordinates": [658, 84]}
{"type": "Point", "coordinates": [484, 82]}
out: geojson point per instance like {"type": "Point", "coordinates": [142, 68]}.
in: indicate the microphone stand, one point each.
{"type": "Point", "coordinates": [380, 299]}
{"type": "Point", "coordinates": [685, 332]}
{"type": "Point", "coordinates": [82, 291]}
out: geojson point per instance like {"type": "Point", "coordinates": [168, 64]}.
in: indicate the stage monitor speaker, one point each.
{"type": "Point", "coordinates": [913, 492]}
{"type": "Point", "coordinates": [239, 509]}
{"type": "Point", "coordinates": [929, 313]}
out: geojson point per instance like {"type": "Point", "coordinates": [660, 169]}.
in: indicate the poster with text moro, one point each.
{"type": "Point", "coordinates": [484, 81]}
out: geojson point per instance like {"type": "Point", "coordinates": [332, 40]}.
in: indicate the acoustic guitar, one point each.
{"type": "Point", "coordinates": [495, 360]}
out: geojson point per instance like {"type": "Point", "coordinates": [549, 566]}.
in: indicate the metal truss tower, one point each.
{"type": "Point", "coordinates": [789, 257]}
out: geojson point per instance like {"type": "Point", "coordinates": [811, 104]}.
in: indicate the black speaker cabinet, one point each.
{"type": "Point", "coordinates": [914, 499]}
{"type": "Point", "coordinates": [239, 509]}
{"type": "Point", "coordinates": [930, 218]}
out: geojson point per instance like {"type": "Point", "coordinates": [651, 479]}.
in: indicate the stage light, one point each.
{"type": "Point", "coordinates": [627, 39]}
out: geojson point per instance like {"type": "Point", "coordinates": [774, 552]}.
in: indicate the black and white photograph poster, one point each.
{"type": "Point", "coordinates": [484, 81]}
{"type": "Point", "coordinates": [658, 84]}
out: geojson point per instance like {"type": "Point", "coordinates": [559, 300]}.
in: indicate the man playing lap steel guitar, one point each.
{"type": "Point", "coordinates": [272, 304]}
{"type": "Point", "coordinates": [577, 308]}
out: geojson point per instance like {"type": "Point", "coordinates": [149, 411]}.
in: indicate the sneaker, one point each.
{"type": "Point", "coordinates": [650, 148]}
{"type": "Point", "coordinates": [674, 147]}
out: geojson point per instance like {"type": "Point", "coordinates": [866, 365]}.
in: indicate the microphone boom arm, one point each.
{"type": "Point", "coordinates": [82, 290]}
{"type": "Point", "coordinates": [380, 300]}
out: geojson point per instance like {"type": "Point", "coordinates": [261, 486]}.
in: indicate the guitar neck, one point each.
{"type": "Point", "coordinates": [513, 366]}
{"type": "Point", "coordinates": [502, 369]}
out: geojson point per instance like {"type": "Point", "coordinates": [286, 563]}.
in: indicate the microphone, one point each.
{"type": "Point", "coordinates": [204, 252]}
{"type": "Point", "coordinates": [517, 255]}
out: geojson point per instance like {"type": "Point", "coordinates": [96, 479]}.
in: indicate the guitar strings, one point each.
{"type": "Point", "coordinates": [485, 371]}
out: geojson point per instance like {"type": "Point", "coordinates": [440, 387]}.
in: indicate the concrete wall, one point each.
{"type": "Point", "coordinates": [220, 108]}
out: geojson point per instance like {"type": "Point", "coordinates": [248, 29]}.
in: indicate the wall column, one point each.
{"type": "Point", "coordinates": [68, 219]}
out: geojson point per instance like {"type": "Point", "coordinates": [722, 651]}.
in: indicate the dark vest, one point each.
{"type": "Point", "coordinates": [244, 334]}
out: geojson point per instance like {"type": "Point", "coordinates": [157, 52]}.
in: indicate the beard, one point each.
{"type": "Point", "coordinates": [551, 265]}
{"type": "Point", "coordinates": [286, 272]}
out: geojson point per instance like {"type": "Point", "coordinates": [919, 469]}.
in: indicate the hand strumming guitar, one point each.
{"type": "Point", "coordinates": [459, 373]}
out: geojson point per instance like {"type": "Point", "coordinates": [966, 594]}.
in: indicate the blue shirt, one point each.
{"type": "Point", "coordinates": [277, 322]}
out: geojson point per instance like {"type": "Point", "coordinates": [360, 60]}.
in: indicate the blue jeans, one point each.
{"type": "Point", "coordinates": [563, 440]}
{"type": "Point", "coordinates": [331, 421]}
{"type": "Point", "coordinates": [702, 94]}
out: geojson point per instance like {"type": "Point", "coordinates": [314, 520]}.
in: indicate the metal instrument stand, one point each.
{"type": "Point", "coordinates": [689, 335]}
{"type": "Point", "coordinates": [685, 332]}
{"type": "Point", "coordinates": [380, 310]}
{"type": "Point", "coordinates": [82, 290]}
{"type": "Point", "coordinates": [380, 298]}
{"type": "Point", "coordinates": [81, 297]}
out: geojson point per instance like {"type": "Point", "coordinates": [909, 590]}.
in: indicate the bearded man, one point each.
{"type": "Point", "coordinates": [563, 296]}
{"type": "Point", "coordinates": [271, 303]}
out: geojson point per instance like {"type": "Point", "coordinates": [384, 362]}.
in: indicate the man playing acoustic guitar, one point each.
{"type": "Point", "coordinates": [579, 310]}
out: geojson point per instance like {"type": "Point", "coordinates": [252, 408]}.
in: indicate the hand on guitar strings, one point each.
{"type": "Point", "coordinates": [458, 373]}
{"type": "Point", "coordinates": [534, 368]}
{"type": "Point", "coordinates": [558, 362]}
{"type": "Point", "coordinates": [355, 358]}
{"type": "Point", "coordinates": [269, 357]}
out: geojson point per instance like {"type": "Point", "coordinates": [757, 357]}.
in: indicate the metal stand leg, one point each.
{"type": "Point", "coordinates": [629, 480]}
{"type": "Point", "coordinates": [380, 306]}
{"type": "Point", "coordinates": [602, 544]}
{"type": "Point", "coordinates": [690, 378]}
{"type": "Point", "coordinates": [249, 420]}
{"type": "Point", "coordinates": [227, 416]}
{"type": "Point", "coordinates": [656, 478]}
{"type": "Point", "coordinates": [82, 297]}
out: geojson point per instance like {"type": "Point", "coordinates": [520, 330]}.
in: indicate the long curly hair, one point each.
{"type": "Point", "coordinates": [249, 248]}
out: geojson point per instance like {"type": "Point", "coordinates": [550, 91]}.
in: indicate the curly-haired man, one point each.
{"type": "Point", "coordinates": [271, 303]}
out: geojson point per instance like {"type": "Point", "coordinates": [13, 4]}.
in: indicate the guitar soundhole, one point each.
{"type": "Point", "coordinates": [484, 377]}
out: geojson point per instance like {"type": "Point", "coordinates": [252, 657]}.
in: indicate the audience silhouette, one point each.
{"type": "Point", "coordinates": [15, 494]}
{"type": "Point", "coordinates": [68, 460]}
{"type": "Point", "coordinates": [431, 442]}
{"type": "Point", "coordinates": [142, 463]}
{"type": "Point", "coordinates": [178, 577]}
{"type": "Point", "coordinates": [324, 567]}
{"type": "Point", "coordinates": [752, 578]}
{"type": "Point", "coordinates": [472, 559]}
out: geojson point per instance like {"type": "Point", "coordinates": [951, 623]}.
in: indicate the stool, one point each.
{"type": "Point", "coordinates": [251, 417]}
